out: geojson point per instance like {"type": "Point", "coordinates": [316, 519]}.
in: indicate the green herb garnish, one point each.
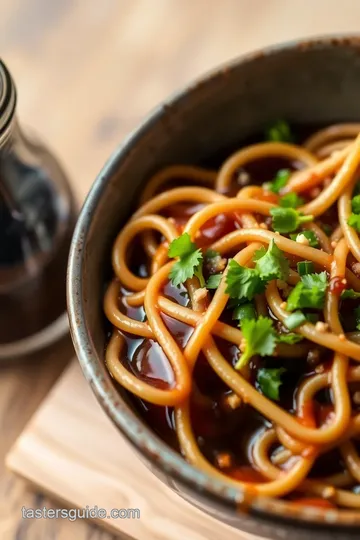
{"type": "Point", "coordinates": [350, 294]}
{"type": "Point", "coordinates": [305, 267]}
{"type": "Point", "coordinates": [308, 293]}
{"type": "Point", "coordinates": [355, 204]}
{"type": "Point", "coordinates": [189, 263]}
{"type": "Point", "coordinates": [354, 221]}
{"type": "Point", "coordinates": [214, 281]}
{"type": "Point", "coordinates": [291, 200]}
{"type": "Point", "coordinates": [244, 312]}
{"type": "Point", "coordinates": [289, 338]}
{"type": "Point", "coordinates": [270, 381]}
{"type": "Point", "coordinates": [287, 220]}
{"type": "Point", "coordinates": [272, 264]}
{"type": "Point", "coordinates": [279, 131]}
{"type": "Point", "coordinates": [245, 282]}
{"type": "Point", "coordinates": [280, 181]}
{"type": "Point", "coordinates": [260, 339]}
{"type": "Point", "coordinates": [294, 320]}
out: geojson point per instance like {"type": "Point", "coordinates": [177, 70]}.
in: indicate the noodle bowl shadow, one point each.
{"type": "Point", "coordinates": [313, 82]}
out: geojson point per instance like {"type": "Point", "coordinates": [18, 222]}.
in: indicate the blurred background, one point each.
{"type": "Point", "coordinates": [87, 72]}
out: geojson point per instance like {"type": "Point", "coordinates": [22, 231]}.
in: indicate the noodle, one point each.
{"type": "Point", "coordinates": [265, 421]}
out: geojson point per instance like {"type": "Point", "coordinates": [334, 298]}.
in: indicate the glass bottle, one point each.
{"type": "Point", "coordinates": [37, 217]}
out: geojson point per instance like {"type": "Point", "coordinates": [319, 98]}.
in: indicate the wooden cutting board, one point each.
{"type": "Point", "coordinates": [72, 451]}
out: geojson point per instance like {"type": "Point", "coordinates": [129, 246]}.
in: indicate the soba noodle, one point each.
{"type": "Point", "coordinates": [287, 442]}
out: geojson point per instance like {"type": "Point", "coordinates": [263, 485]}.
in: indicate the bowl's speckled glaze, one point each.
{"type": "Point", "coordinates": [310, 82]}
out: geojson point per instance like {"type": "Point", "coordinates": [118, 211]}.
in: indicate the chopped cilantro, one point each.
{"type": "Point", "coordinates": [305, 267]}
{"type": "Point", "coordinates": [260, 339]}
{"type": "Point", "coordinates": [279, 131]}
{"type": "Point", "coordinates": [270, 381]}
{"type": "Point", "coordinates": [289, 338]}
{"type": "Point", "coordinates": [287, 220]}
{"type": "Point", "coordinates": [244, 312]}
{"type": "Point", "coordinates": [214, 281]}
{"type": "Point", "coordinates": [355, 204]}
{"type": "Point", "coordinates": [294, 320]}
{"type": "Point", "coordinates": [308, 293]}
{"type": "Point", "coordinates": [189, 263]}
{"type": "Point", "coordinates": [354, 221]}
{"type": "Point", "coordinates": [291, 200]}
{"type": "Point", "coordinates": [245, 282]}
{"type": "Point", "coordinates": [272, 264]}
{"type": "Point", "coordinates": [280, 181]}
{"type": "Point", "coordinates": [350, 294]}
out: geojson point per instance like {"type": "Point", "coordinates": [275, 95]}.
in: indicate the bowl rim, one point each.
{"type": "Point", "coordinates": [145, 441]}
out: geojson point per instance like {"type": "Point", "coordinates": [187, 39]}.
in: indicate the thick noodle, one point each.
{"type": "Point", "coordinates": [144, 306]}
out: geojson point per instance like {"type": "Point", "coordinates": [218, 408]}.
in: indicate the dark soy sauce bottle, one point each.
{"type": "Point", "coordinates": [37, 217]}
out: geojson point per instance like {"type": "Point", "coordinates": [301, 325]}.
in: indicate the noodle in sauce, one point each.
{"type": "Point", "coordinates": [284, 420]}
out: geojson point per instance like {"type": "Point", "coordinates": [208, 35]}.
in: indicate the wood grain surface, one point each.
{"type": "Point", "coordinates": [72, 450]}
{"type": "Point", "coordinates": [87, 71]}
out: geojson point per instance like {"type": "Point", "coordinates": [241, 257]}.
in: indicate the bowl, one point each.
{"type": "Point", "coordinates": [315, 81]}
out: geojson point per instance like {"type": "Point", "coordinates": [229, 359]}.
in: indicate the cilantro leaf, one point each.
{"type": "Point", "coordinates": [244, 312]}
{"type": "Point", "coordinates": [272, 264]}
{"type": "Point", "coordinates": [189, 263]}
{"type": "Point", "coordinates": [289, 338]}
{"type": "Point", "coordinates": [243, 282]}
{"type": "Point", "coordinates": [246, 282]}
{"type": "Point", "coordinates": [279, 131]}
{"type": "Point", "coordinates": [260, 339]}
{"type": "Point", "coordinates": [287, 220]}
{"type": "Point", "coordinates": [302, 297]}
{"type": "Point", "coordinates": [309, 235]}
{"type": "Point", "coordinates": [354, 221]}
{"type": "Point", "coordinates": [308, 293]}
{"type": "Point", "coordinates": [357, 317]}
{"type": "Point", "coordinates": [185, 268]}
{"type": "Point", "coordinates": [280, 181]}
{"type": "Point", "coordinates": [214, 281]}
{"type": "Point", "coordinates": [350, 294]}
{"type": "Point", "coordinates": [305, 267]}
{"type": "Point", "coordinates": [259, 253]}
{"type": "Point", "coordinates": [182, 246]}
{"type": "Point", "coordinates": [270, 381]}
{"type": "Point", "coordinates": [315, 280]}
{"type": "Point", "coordinates": [355, 204]}
{"type": "Point", "coordinates": [291, 200]}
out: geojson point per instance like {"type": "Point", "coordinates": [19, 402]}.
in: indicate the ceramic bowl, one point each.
{"type": "Point", "coordinates": [308, 82]}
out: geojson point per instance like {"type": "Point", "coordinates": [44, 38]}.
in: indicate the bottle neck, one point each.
{"type": "Point", "coordinates": [7, 105]}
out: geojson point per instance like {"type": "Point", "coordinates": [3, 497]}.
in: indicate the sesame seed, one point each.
{"type": "Point", "coordinates": [321, 327]}
{"type": "Point", "coordinates": [301, 239]}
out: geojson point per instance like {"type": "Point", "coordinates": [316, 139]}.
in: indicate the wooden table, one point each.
{"type": "Point", "coordinates": [87, 71]}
